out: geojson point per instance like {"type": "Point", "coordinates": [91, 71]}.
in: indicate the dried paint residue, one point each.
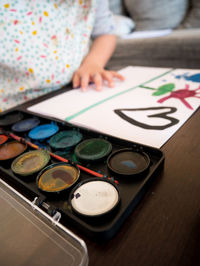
{"type": "Point", "coordinates": [58, 178]}
{"type": "Point", "coordinates": [11, 149]}
{"type": "Point", "coordinates": [3, 139]}
{"type": "Point", "coordinates": [30, 162]}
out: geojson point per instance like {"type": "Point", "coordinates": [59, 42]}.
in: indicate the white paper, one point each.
{"type": "Point", "coordinates": [106, 111]}
{"type": "Point", "coordinates": [147, 34]}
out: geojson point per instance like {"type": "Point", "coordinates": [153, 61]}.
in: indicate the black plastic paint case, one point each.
{"type": "Point", "coordinates": [131, 191]}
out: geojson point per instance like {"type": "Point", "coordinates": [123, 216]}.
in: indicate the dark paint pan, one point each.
{"type": "Point", "coordinates": [127, 162]}
{"type": "Point", "coordinates": [26, 124]}
{"type": "Point", "coordinates": [11, 118]}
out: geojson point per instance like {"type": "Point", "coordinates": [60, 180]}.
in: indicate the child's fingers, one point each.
{"type": "Point", "coordinates": [97, 79]}
{"type": "Point", "coordinates": [84, 82]}
{"type": "Point", "coordinates": [117, 75]}
{"type": "Point", "coordinates": [76, 81]}
{"type": "Point", "coordinates": [108, 76]}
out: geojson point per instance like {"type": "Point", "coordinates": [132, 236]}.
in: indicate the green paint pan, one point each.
{"type": "Point", "coordinates": [65, 140]}
{"type": "Point", "coordinates": [92, 150]}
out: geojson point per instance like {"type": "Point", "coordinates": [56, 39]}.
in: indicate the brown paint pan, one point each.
{"type": "Point", "coordinates": [57, 178]}
{"type": "Point", "coordinates": [10, 150]}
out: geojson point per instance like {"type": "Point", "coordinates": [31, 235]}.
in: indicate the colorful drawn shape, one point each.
{"type": "Point", "coordinates": [193, 78]}
{"type": "Point", "coordinates": [164, 89]}
{"type": "Point", "coordinates": [181, 95]}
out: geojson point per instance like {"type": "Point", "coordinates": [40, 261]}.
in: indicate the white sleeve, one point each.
{"type": "Point", "coordinates": [104, 22]}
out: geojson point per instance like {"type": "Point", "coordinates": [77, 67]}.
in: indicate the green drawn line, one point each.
{"type": "Point", "coordinates": [113, 96]}
{"type": "Point", "coordinates": [145, 87]}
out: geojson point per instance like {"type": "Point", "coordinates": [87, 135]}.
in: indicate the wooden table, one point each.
{"type": "Point", "coordinates": [164, 229]}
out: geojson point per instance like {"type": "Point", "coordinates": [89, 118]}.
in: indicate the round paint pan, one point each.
{"type": "Point", "coordinates": [11, 149]}
{"type": "Point", "coordinates": [30, 162]}
{"type": "Point", "coordinates": [92, 150]}
{"type": "Point", "coordinates": [11, 118]}
{"type": "Point", "coordinates": [127, 162]}
{"type": "Point", "coordinates": [43, 131]}
{"type": "Point", "coordinates": [65, 140]}
{"type": "Point", "coordinates": [94, 198]}
{"type": "Point", "coordinates": [3, 139]}
{"type": "Point", "coordinates": [57, 177]}
{"type": "Point", "coordinates": [25, 125]}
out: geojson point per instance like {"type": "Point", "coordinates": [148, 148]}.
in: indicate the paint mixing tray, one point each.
{"type": "Point", "coordinates": [93, 180]}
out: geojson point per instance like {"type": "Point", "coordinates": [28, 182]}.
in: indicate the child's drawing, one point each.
{"type": "Point", "coordinates": [193, 78]}
{"type": "Point", "coordinates": [148, 107]}
{"type": "Point", "coordinates": [181, 94]}
{"type": "Point", "coordinates": [163, 115]}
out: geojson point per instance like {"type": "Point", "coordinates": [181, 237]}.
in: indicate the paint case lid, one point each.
{"type": "Point", "coordinates": [50, 235]}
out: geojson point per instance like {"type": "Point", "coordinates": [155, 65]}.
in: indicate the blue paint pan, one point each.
{"type": "Point", "coordinates": [26, 124]}
{"type": "Point", "coordinates": [43, 132]}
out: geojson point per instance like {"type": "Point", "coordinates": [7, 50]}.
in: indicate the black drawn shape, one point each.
{"type": "Point", "coordinates": [164, 114]}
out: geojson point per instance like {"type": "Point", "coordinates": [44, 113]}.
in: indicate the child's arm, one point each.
{"type": "Point", "coordinates": [92, 67]}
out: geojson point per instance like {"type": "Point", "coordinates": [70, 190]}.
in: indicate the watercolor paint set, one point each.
{"type": "Point", "coordinates": [93, 180]}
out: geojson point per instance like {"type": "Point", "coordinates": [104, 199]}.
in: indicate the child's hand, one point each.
{"type": "Point", "coordinates": [93, 73]}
